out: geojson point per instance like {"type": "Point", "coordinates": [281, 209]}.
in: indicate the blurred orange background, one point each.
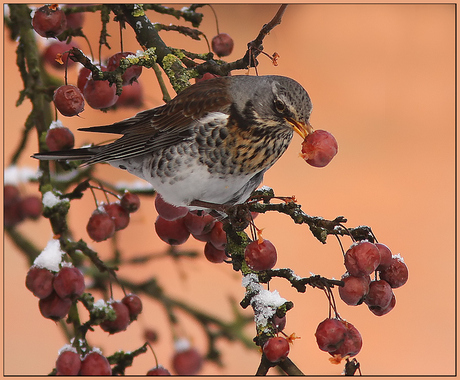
{"type": "Point", "coordinates": [382, 81]}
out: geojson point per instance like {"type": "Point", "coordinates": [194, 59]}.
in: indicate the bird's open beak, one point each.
{"type": "Point", "coordinates": [303, 129]}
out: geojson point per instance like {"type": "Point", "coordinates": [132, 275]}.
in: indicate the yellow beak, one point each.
{"type": "Point", "coordinates": [302, 129]}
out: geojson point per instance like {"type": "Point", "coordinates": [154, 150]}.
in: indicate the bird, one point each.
{"type": "Point", "coordinates": [211, 144]}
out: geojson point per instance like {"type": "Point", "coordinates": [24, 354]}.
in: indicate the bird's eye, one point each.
{"type": "Point", "coordinates": [279, 106]}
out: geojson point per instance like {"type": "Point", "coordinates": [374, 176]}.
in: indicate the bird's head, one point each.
{"type": "Point", "coordinates": [274, 101]}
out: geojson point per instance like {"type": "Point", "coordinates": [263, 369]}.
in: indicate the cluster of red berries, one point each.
{"type": "Point", "coordinates": [361, 260]}
{"type": "Point", "coordinates": [56, 291]}
{"type": "Point", "coordinates": [338, 337]}
{"type": "Point", "coordinates": [111, 217]}
{"type": "Point", "coordinates": [126, 311]}
{"type": "Point", "coordinates": [70, 363]}
{"type": "Point", "coordinates": [99, 94]}
{"type": "Point", "coordinates": [18, 208]}
{"type": "Point", "coordinates": [174, 225]}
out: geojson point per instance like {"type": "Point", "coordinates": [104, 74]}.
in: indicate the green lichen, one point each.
{"type": "Point", "coordinates": [147, 59]}
{"type": "Point", "coordinates": [179, 80]}
{"type": "Point", "coordinates": [138, 10]}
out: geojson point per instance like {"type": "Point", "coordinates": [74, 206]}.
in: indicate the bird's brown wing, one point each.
{"type": "Point", "coordinates": [166, 125]}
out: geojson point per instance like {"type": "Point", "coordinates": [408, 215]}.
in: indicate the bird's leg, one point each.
{"type": "Point", "coordinates": [239, 215]}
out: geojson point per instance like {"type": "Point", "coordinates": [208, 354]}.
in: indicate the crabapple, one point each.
{"type": "Point", "coordinates": [118, 214]}
{"type": "Point", "coordinates": [260, 255]}
{"type": "Point", "coordinates": [121, 321]}
{"type": "Point", "coordinates": [69, 100]}
{"type": "Point", "coordinates": [39, 281]}
{"type": "Point", "coordinates": [276, 349]}
{"type": "Point", "coordinates": [172, 232]}
{"type": "Point", "coordinates": [59, 138]}
{"type": "Point", "coordinates": [319, 148]}
{"type": "Point", "coordinates": [396, 274]}
{"type": "Point", "coordinates": [134, 305]}
{"type": "Point", "coordinates": [68, 363]}
{"type": "Point", "coordinates": [379, 295]}
{"type": "Point", "coordinates": [53, 307]}
{"type": "Point", "coordinates": [213, 254]}
{"type": "Point", "coordinates": [168, 211]}
{"type": "Point", "coordinates": [362, 258]}
{"type": "Point", "coordinates": [95, 364]}
{"type": "Point", "coordinates": [385, 256]}
{"type": "Point", "coordinates": [330, 334]}
{"type": "Point", "coordinates": [49, 21]}
{"type": "Point", "coordinates": [130, 202]}
{"type": "Point", "coordinates": [69, 283]}
{"type": "Point", "coordinates": [131, 74]}
{"type": "Point", "coordinates": [354, 290]}
{"type": "Point", "coordinates": [100, 226]}
{"type": "Point", "coordinates": [31, 207]}
{"type": "Point", "coordinates": [222, 44]}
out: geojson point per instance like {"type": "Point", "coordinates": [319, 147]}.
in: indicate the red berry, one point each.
{"type": "Point", "coordinates": [379, 312]}
{"type": "Point", "coordinates": [83, 76]}
{"type": "Point", "coordinates": [59, 47]}
{"type": "Point", "coordinates": [385, 256]}
{"type": "Point", "coordinates": [397, 273]}
{"type": "Point", "coordinates": [218, 236]}
{"type": "Point", "coordinates": [100, 226]}
{"type": "Point", "coordinates": [213, 254]}
{"type": "Point", "coordinates": [68, 363]}
{"type": "Point", "coordinates": [351, 344]}
{"type": "Point", "coordinates": [150, 335]}
{"type": "Point", "coordinates": [69, 283]}
{"type": "Point", "coordinates": [354, 290]}
{"type": "Point", "coordinates": [75, 20]}
{"type": "Point", "coordinates": [118, 214]}
{"type": "Point", "coordinates": [53, 307]}
{"type": "Point", "coordinates": [100, 94]}
{"type": "Point", "coordinates": [132, 96]}
{"type": "Point", "coordinates": [10, 194]}
{"type": "Point", "coordinates": [59, 138]}
{"type": "Point", "coordinates": [199, 224]}
{"type": "Point", "coordinates": [49, 21]}
{"type": "Point", "coordinates": [379, 295]}
{"type": "Point", "coordinates": [279, 323]}
{"type": "Point", "coordinates": [260, 256]}
{"type": "Point", "coordinates": [131, 74]}
{"type": "Point", "coordinates": [12, 213]}
{"type": "Point", "coordinates": [69, 100]}
{"type": "Point", "coordinates": [158, 371]}
{"type": "Point", "coordinates": [94, 364]}
{"type": "Point", "coordinates": [276, 349]}
{"type": "Point", "coordinates": [222, 44]}
{"type": "Point", "coordinates": [40, 281]}
{"type": "Point", "coordinates": [168, 211]}
{"type": "Point", "coordinates": [130, 202]}
{"type": "Point", "coordinates": [187, 362]}
{"type": "Point", "coordinates": [31, 207]}
{"type": "Point", "coordinates": [330, 334]}
{"type": "Point", "coordinates": [206, 76]}
{"type": "Point", "coordinates": [362, 259]}
{"type": "Point", "coordinates": [121, 321]}
{"type": "Point", "coordinates": [172, 232]}
{"type": "Point", "coordinates": [319, 148]}
{"type": "Point", "coordinates": [134, 305]}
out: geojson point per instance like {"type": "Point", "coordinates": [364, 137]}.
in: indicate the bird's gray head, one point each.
{"type": "Point", "coordinates": [276, 100]}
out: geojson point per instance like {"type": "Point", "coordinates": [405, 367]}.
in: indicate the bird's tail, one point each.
{"type": "Point", "coordinates": [85, 154]}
